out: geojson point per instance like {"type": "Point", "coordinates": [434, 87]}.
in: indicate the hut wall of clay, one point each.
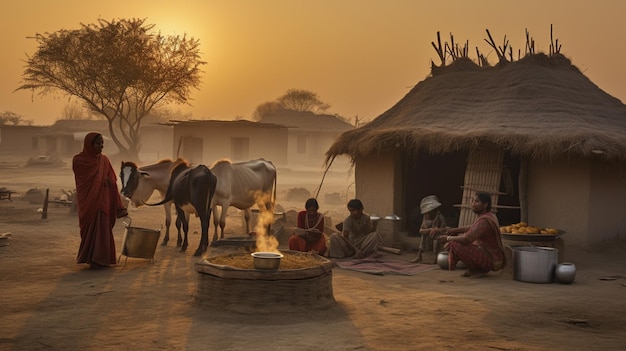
{"type": "Point", "coordinates": [607, 199]}
{"type": "Point", "coordinates": [379, 186]}
{"type": "Point", "coordinates": [584, 197]}
{"type": "Point", "coordinates": [559, 195]}
{"type": "Point", "coordinates": [212, 143]}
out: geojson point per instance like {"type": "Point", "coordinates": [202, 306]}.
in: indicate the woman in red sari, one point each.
{"type": "Point", "coordinates": [99, 203]}
{"type": "Point", "coordinates": [309, 234]}
{"type": "Point", "coordinates": [479, 246]}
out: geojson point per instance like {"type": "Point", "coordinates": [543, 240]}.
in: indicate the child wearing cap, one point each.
{"type": "Point", "coordinates": [433, 219]}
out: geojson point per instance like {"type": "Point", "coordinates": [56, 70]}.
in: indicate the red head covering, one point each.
{"type": "Point", "coordinates": [96, 187]}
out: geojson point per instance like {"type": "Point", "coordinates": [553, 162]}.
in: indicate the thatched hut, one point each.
{"type": "Point", "coordinates": [545, 141]}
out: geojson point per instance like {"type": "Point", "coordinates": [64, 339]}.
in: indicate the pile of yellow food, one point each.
{"type": "Point", "coordinates": [524, 228]}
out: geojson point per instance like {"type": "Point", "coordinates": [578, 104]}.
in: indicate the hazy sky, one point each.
{"type": "Point", "coordinates": [359, 56]}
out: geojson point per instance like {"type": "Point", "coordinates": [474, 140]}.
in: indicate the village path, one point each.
{"type": "Point", "coordinates": [48, 302]}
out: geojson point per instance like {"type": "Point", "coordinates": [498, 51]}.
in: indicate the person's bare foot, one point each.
{"type": "Point", "coordinates": [473, 274]}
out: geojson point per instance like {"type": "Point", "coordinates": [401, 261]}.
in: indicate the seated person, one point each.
{"type": "Point", "coordinates": [358, 238]}
{"type": "Point", "coordinates": [432, 219]}
{"type": "Point", "coordinates": [309, 235]}
{"type": "Point", "coordinates": [479, 246]}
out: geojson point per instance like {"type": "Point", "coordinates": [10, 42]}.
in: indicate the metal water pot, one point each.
{"type": "Point", "coordinates": [565, 273]}
{"type": "Point", "coordinates": [442, 260]}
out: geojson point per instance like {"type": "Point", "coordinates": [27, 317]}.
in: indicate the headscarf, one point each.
{"type": "Point", "coordinates": [92, 172]}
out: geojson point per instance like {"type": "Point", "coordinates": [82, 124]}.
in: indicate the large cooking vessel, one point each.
{"type": "Point", "coordinates": [139, 242]}
{"type": "Point", "coordinates": [533, 264]}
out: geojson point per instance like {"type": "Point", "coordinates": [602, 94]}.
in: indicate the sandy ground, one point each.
{"type": "Point", "coordinates": [48, 302]}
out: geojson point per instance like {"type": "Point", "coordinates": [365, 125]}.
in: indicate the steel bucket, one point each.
{"type": "Point", "coordinates": [139, 242]}
{"type": "Point", "coordinates": [534, 264]}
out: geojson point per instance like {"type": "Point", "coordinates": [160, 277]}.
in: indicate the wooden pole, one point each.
{"type": "Point", "coordinates": [523, 189]}
{"type": "Point", "coordinates": [44, 214]}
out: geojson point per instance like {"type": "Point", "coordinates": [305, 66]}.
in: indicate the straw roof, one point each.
{"type": "Point", "coordinates": [306, 120]}
{"type": "Point", "coordinates": [539, 106]}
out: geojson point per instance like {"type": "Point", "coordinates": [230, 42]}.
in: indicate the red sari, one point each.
{"type": "Point", "coordinates": [313, 241]}
{"type": "Point", "coordinates": [99, 204]}
{"type": "Point", "coordinates": [486, 252]}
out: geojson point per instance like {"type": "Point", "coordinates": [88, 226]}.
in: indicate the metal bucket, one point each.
{"type": "Point", "coordinates": [139, 242]}
{"type": "Point", "coordinates": [534, 264]}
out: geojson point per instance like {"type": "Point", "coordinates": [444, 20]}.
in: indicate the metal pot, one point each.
{"type": "Point", "coordinates": [565, 273]}
{"type": "Point", "coordinates": [139, 242]}
{"type": "Point", "coordinates": [267, 260]}
{"type": "Point", "coordinates": [442, 261]}
{"type": "Point", "coordinates": [534, 264]}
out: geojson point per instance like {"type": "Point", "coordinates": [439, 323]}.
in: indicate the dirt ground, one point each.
{"type": "Point", "coordinates": [48, 302]}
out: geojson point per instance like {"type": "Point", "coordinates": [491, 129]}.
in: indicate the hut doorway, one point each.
{"type": "Point", "coordinates": [429, 174]}
{"type": "Point", "coordinates": [508, 210]}
{"type": "Point", "coordinates": [496, 172]}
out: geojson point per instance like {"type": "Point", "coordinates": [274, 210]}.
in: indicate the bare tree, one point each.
{"type": "Point", "coordinates": [119, 69]}
{"type": "Point", "coordinates": [264, 108]}
{"type": "Point", "coordinates": [74, 110]}
{"type": "Point", "coordinates": [12, 118]}
{"type": "Point", "coordinates": [293, 99]}
{"type": "Point", "coordinates": [302, 100]}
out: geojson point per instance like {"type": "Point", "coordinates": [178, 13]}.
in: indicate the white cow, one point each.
{"type": "Point", "coordinates": [138, 184]}
{"type": "Point", "coordinates": [242, 185]}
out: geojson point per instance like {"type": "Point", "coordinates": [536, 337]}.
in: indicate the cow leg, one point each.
{"type": "Point", "coordinates": [215, 222]}
{"type": "Point", "coordinates": [246, 216]}
{"type": "Point", "coordinates": [168, 222]}
{"type": "Point", "coordinates": [184, 218]}
{"type": "Point", "coordinates": [204, 239]}
{"type": "Point", "coordinates": [223, 219]}
{"type": "Point", "coordinates": [179, 224]}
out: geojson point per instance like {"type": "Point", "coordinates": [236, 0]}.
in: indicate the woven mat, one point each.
{"type": "Point", "coordinates": [384, 265]}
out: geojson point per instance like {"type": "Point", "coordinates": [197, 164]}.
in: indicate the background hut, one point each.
{"type": "Point", "coordinates": [206, 141]}
{"type": "Point", "coordinates": [309, 136]}
{"type": "Point", "coordinates": [547, 143]}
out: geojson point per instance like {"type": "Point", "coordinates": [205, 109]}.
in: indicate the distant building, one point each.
{"type": "Point", "coordinates": [310, 135]}
{"type": "Point", "coordinates": [64, 138]}
{"type": "Point", "coordinates": [206, 141]}
{"type": "Point", "coordinates": [20, 141]}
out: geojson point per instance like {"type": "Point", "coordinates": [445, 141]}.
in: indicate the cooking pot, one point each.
{"type": "Point", "coordinates": [534, 264]}
{"type": "Point", "coordinates": [267, 260]}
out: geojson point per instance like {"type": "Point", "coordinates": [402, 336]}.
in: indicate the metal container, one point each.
{"type": "Point", "coordinates": [267, 260]}
{"type": "Point", "coordinates": [565, 273]}
{"type": "Point", "coordinates": [534, 264]}
{"type": "Point", "coordinates": [139, 242]}
{"type": "Point", "coordinates": [442, 261]}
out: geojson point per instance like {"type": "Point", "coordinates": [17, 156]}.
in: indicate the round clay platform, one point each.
{"type": "Point", "coordinates": [265, 291]}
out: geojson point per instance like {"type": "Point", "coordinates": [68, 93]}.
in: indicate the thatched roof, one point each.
{"type": "Point", "coordinates": [539, 106]}
{"type": "Point", "coordinates": [306, 120]}
{"type": "Point", "coordinates": [215, 123]}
